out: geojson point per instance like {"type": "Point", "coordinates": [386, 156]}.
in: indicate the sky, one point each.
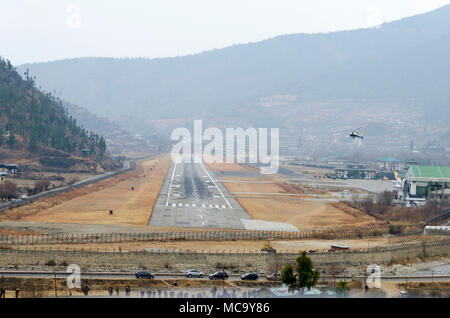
{"type": "Point", "coordinates": [46, 30]}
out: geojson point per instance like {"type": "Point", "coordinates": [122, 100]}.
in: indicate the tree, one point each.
{"type": "Point", "coordinates": [8, 190]}
{"type": "Point", "coordinates": [41, 185]}
{"type": "Point", "coordinates": [306, 275]}
{"type": "Point", "coordinates": [287, 276]}
{"type": "Point", "coordinates": [342, 289]}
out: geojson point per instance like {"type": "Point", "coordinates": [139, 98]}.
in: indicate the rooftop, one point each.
{"type": "Point", "coordinates": [431, 173]}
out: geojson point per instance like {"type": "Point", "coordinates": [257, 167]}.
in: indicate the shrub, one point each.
{"type": "Point", "coordinates": [50, 262]}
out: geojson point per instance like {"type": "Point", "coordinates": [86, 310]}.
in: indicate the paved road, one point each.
{"type": "Point", "coordinates": [191, 196]}
{"type": "Point", "coordinates": [232, 277]}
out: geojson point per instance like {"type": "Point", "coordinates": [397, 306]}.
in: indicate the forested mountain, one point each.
{"type": "Point", "coordinates": [34, 121]}
{"type": "Point", "coordinates": [403, 62]}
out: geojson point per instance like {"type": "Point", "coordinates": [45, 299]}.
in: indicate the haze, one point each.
{"type": "Point", "coordinates": [52, 29]}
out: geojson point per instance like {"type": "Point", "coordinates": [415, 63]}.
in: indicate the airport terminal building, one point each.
{"type": "Point", "coordinates": [427, 182]}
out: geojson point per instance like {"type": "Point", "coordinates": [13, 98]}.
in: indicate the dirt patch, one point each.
{"type": "Point", "coordinates": [91, 204]}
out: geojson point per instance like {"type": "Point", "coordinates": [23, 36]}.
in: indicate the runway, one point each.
{"type": "Point", "coordinates": [191, 196]}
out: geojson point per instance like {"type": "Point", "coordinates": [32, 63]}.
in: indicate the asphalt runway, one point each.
{"type": "Point", "coordinates": [191, 196]}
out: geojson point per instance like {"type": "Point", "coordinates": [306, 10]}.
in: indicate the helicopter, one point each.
{"type": "Point", "coordinates": [357, 134]}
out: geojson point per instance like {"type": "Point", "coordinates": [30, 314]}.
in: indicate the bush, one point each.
{"type": "Point", "coordinates": [50, 263]}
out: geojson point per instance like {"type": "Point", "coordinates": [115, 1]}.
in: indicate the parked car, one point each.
{"type": "Point", "coordinates": [250, 276]}
{"type": "Point", "coordinates": [194, 273]}
{"type": "Point", "coordinates": [218, 275]}
{"type": "Point", "coordinates": [274, 276]}
{"type": "Point", "coordinates": [144, 274]}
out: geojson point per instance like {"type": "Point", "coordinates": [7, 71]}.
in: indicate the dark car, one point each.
{"type": "Point", "coordinates": [250, 276]}
{"type": "Point", "coordinates": [144, 274]}
{"type": "Point", "coordinates": [274, 276]}
{"type": "Point", "coordinates": [218, 275]}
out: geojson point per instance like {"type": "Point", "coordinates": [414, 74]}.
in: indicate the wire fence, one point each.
{"type": "Point", "coordinates": [84, 238]}
{"type": "Point", "coordinates": [243, 252]}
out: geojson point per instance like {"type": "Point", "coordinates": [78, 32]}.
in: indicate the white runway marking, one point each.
{"type": "Point", "coordinates": [216, 185]}
{"type": "Point", "coordinates": [171, 181]}
{"type": "Point", "coordinates": [223, 206]}
{"type": "Point", "coordinates": [180, 204]}
{"type": "Point", "coordinates": [174, 205]}
{"type": "Point", "coordinates": [217, 206]}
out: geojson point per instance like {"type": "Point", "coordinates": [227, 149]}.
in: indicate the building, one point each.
{"type": "Point", "coordinates": [427, 182]}
{"type": "Point", "coordinates": [355, 171]}
{"type": "Point", "coordinates": [436, 230]}
{"type": "Point", "coordinates": [9, 168]}
{"type": "Point", "coordinates": [390, 164]}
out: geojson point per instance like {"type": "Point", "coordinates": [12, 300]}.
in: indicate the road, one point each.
{"type": "Point", "coordinates": [191, 196]}
{"type": "Point", "coordinates": [232, 277]}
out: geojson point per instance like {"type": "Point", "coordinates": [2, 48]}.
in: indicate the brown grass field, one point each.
{"type": "Point", "coordinates": [304, 214]}
{"type": "Point", "coordinates": [91, 204]}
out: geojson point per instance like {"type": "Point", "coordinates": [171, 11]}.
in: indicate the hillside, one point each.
{"type": "Point", "coordinates": [401, 64]}
{"type": "Point", "coordinates": [35, 125]}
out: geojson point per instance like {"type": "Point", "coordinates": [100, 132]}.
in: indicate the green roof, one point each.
{"type": "Point", "coordinates": [431, 172]}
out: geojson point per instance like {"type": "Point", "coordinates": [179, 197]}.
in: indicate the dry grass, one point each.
{"type": "Point", "coordinates": [301, 213]}
{"type": "Point", "coordinates": [91, 204]}
{"type": "Point", "coordinates": [304, 214]}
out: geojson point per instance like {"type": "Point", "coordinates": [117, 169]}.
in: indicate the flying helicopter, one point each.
{"type": "Point", "coordinates": [357, 134]}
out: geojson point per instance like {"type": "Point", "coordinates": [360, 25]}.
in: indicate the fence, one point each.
{"type": "Point", "coordinates": [83, 238]}
{"type": "Point", "coordinates": [96, 259]}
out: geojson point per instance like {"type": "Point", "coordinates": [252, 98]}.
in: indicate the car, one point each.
{"type": "Point", "coordinates": [274, 276]}
{"type": "Point", "coordinates": [250, 276]}
{"type": "Point", "coordinates": [218, 275]}
{"type": "Point", "coordinates": [194, 273]}
{"type": "Point", "coordinates": [144, 274]}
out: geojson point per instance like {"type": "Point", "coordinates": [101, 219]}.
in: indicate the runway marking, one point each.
{"type": "Point", "coordinates": [203, 205]}
{"type": "Point", "coordinates": [180, 204]}
{"type": "Point", "coordinates": [186, 205]}
{"type": "Point", "coordinates": [171, 180]}
{"type": "Point", "coordinates": [217, 206]}
{"type": "Point", "coordinates": [216, 185]}
{"type": "Point", "coordinates": [193, 205]}
{"type": "Point", "coordinates": [223, 206]}
{"type": "Point", "coordinates": [174, 205]}
{"type": "Point", "coordinates": [210, 206]}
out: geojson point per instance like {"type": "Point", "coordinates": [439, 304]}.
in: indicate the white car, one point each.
{"type": "Point", "coordinates": [194, 273]}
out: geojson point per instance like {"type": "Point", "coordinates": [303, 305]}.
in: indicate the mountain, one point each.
{"type": "Point", "coordinates": [34, 124]}
{"type": "Point", "coordinates": [269, 82]}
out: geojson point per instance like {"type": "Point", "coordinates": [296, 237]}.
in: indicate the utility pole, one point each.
{"type": "Point", "coordinates": [54, 273]}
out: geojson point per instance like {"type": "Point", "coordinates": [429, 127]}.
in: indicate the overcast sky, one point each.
{"type": "Point", "coordinates": [45, 30]}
